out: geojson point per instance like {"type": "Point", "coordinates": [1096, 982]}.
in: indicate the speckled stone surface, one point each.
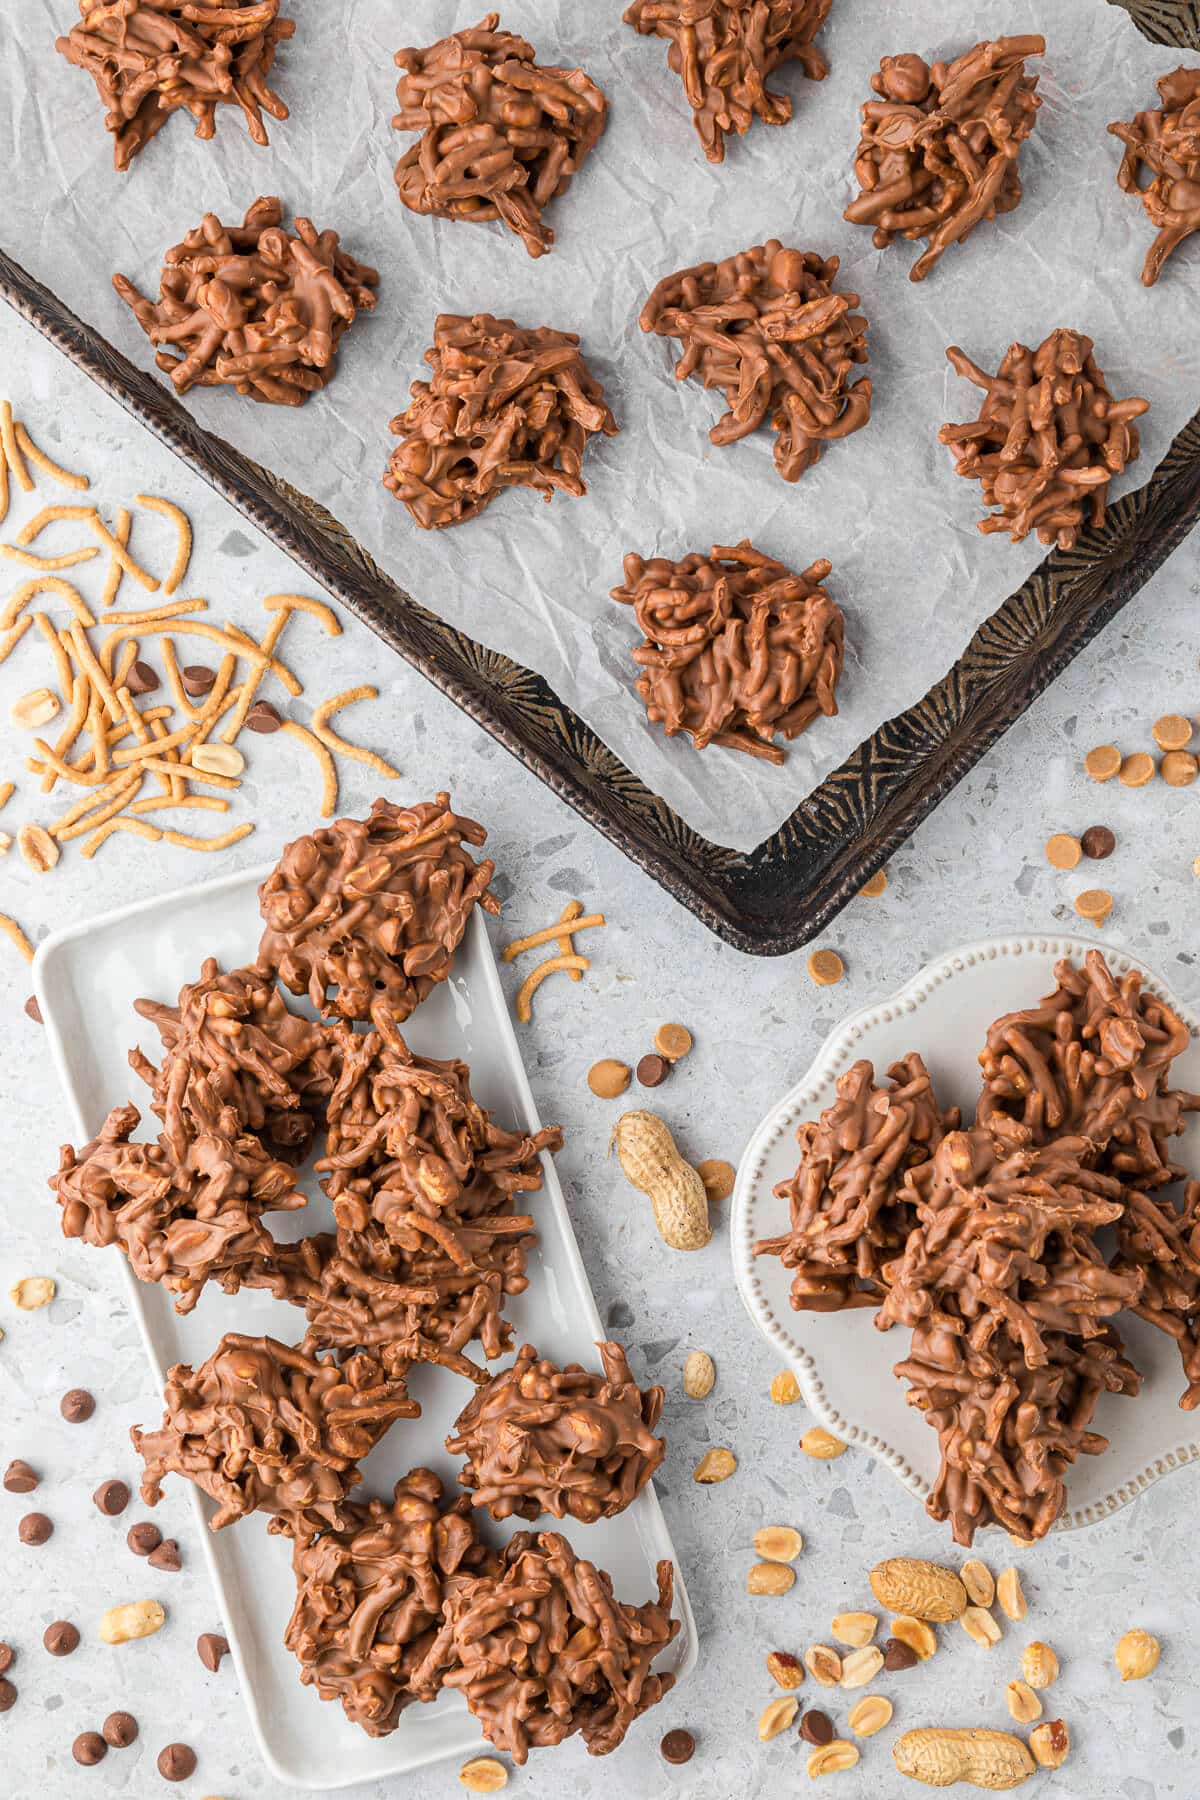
{"type": "Point", "coordinates": [975, 868]}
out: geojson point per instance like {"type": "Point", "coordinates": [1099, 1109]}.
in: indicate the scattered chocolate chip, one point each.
{"type": "Point", "coordinates": [210, 1648]}
{"type": "Point", "coordinates": [1097, 842]}
{"type": "Point", "coordinates": [112, 1497]}
{"type": "Point", "coordinates": [263, 717]}
{"type": "Point", "coordinates": [35, 1528]}
{"type": "Point", "coordinates": [19, 1478]}
{"type": "Point", "coordinates": [7, 1654]}
{"type": "Point", "coordinates": [166, 1556]}
{"type": "Point", "coordinates": [77, 1405]}
{"type": "Point", "coordinates": [197, 679]}
{"type": "Point", "coordinates": [678, 1746]}
{"type": "Point", "coordinates": [653, 1070]}
{"type": "Point", "coordinates": [61, 1638]}
{"type": "Point", "coordinates": [898, 1656]}
{"type": "Point", "coordinates": [143, 1537]}
{"type": "Point", "coordinates": [177, 1762]}
{"type": "Point", "coordinates": [89, 1748]}
{"type": "Point", "coordinates": [120, 1730]}
{"type": "Point", "coordinates": [8, 1695]}
{"type": "Point", "coordinates": [141, 679]}
{"type": "Point", "coordinates": [33, 1010]}
{"type": "Point", "coordinates": [816, 1727]}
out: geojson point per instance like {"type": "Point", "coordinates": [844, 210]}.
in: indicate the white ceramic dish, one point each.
{"type": "Point", "coordinates": [86, 979]}
{"type": "Point", "coordinates": [844, 1366]}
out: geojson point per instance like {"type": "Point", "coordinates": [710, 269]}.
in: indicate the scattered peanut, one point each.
{"type": "Point", "coordinates": [861, 1666]}
{"type": "Point", "coordinates": [821, 1444]}
{"type": "Point", "coordinates": [672, 1041]}
{"type": "Point", "coordinates": [770, 1578]}
{"type": "Point", "coordinates": [1039, 1665]}
{"type": "Point", "coordinates": [136, 1619]}
{"type": "Point", "coordinates": [1011, 1595]}
{"type": "Point", "coordinates": [830, 1759]}
{"type": "Point", "coordinates": [699, 1374]}
{"type": "Point", "coordinates": [1023, 1703]}
{"type": "Point", "coordinates": [926, 1590]}
{"type": "Point", "coordinates": [648, 1156]}
{"type": "Point", "coordinates": [1050, 1743]}
{"type": "Point", "coordinates": [870, 1715]}
{"type": "Point", "coordinates": [856, 1628]}
{"type": "Point", "coordinates": [939, 1756]}
{"type": "Point", "coordinates": [920, 1637]}
{"type": "Point", "coordinates": [823, 1664]}
{"type": "Point", "coordinates": [1137, 1655]}
{"type": "Point", "coordinates": [785, 1669]}
{"type": "Point", "coordinates": [977, 1579]}
{"type": "Point", "coordinates": [776, 1716]}
{"type": "Point", "coordinates": [34, 709]}
{"type": "Point", "coordinates": [483, 1775]}
{"type": "Point", "coordinates": [979, 1624]}
{"type": "Point", "coordinates": [608, 1078]}
{"type": "Point", "coordinates": [38, 848]}
{"type": "Point", "coordinates": [716, 1464]}
{"type": "Point", "coordinates": [778, 1543]}
{"type": "Point", "coordinates": [34, 1291]}
{"type": "Point", "coordinates": [718, 1177]}
{"type": "Point", "coordinates": [218, 759]}
{"type": "Point", "coordinates": [785, 1389]}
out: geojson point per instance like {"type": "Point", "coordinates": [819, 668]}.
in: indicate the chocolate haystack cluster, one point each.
{"type": "Point", "coordinates": [364, 919]}
{"type": "Point", "coordinates": [507, 407]}
{"type": "Point", "coordinates": [501, 136]}
{"type": "Point", "coordinates": [364, 916]}
{"type": "Point", "coordinates": [1162, 164]}
{"type": "Point", "coordinates": [539, 1439]}
{"type": "Point", "coordinates": [1048, 440]}
{"type": "Point", "coordinates": [150, 57]}
{"type": "Point", "coordinates": [738, 649]}
{"type": "Point", "coordinates": [767, 329]}
{"type": "Point", "coordinates": [542, 1650]}
{"type": "Point", "coordinates": [1010, 1247]}
{"type": "Point", "coordinates": [724, 50]}
{"type": "Point", "coordinates": [253, 307]}
{"type": "Point", "coordinates": [939, 147]}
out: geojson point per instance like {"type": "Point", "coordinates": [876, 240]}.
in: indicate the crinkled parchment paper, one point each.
{"type": "Point", "coordinates": [912, 572]}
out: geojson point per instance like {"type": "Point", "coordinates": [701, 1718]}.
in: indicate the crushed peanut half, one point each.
{"type": "Point", "coordinates": [1137, 1655]}
{"type": "Point", "coordinates": [869, 1715]}
{"type": "Point", "coordinates": [1011, 1595]}
{"type": "Point", "coordinates": [785, 1389]}
{"type": "Point", "coordinates": [33, 1292]}
{"type": "Point", "coordinates": [778, 1543]}
{"type": "Point", "coordinates": [824, 1665]}
{"type": "Point", "coordinates": [717, 1464]}
{"type": "Point", "coordinates": [980, 1626]}
{"type": "Point", "coordinates": [699, 1374]}
{"type": "Point", "coordinates": [1023, 1703]}
{"type": "Point", "coordinates": [855, 1628]}
{"type": "Point", "coordinates": [1050, 1743]}
{"type": "Point", "coordinates": [977, 1579]}
{"type": "Point", "coordinates": [1039, 1665]}
{"type": "Point", "coordinates": [770, 1578]}
{"type": "Point", "coordinates": [786, 1670]}
{"type": "Point", "coordinates": [830, 1759]}
{"type": "Point", "coordinates": [821, 1444]}
{"type": "Point", "coordinates": [776, 1717]}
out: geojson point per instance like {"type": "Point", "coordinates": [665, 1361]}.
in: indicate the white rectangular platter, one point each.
{"type": "Point", "coordinates": [86, 979]}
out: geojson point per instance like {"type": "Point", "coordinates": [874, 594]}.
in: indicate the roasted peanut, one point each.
{"type": "Point", "coordinates": [776, 1716]}
{"type": "Point", "coordinates": [785, 1389]}
{"type": "Point", "coordinates": [870, 1715]}
{"type": "Point", "coordinates": [939, 1756]}
{"type": "Point", "coordinates": [716, 1464]}
{"type": "Point", "coordinates": [920, 1637]}
{"type": "Point", "coordinates": [861, 1666]}
{"type": "Point", "coordinates": [979, 1624]}
{"type": "Point", "coordinates": [823, 1664]}
{"type": "Point", "coordinates": [830, 1759]}
{"type": "Point", "coordinates": [1023, 1703]}
{"type": "Point", "coordinates": [1051, 1743]}
{"type": "Point", "coordinates": [856, 1628]}
{"type": "Point", "coordinates": [778, 1543]}
{"type": "Point", "coordinates": [770, 1578]}
{"type": "Point", "coordinates": [1011, 1595]}
{"type": "Point", "coordinates": [647, 1154]}
{"type": "Point", "coordinates": [785, 1669]}
{"type": "Point", "coordinates": [699, 1374]}
{"type": "Point", "coordinates": [1039, 1665]}
{"type": "Point", "coordinates": [483, 1775]}
{"type": "Point", "coordinates": [821, 1444]}
{"type": "Point", "coordinates": [136, 1619]}
{"type": "Point", "coordinates": [923, 1589]}
{"type": "Point", "coordinates": [1137, 1655]}
{"type": "Point", "coordinates": [977, 1579]}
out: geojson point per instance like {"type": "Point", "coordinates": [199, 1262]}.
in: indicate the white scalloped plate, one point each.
{"type": "Point", "coordinates": [843, 1365]}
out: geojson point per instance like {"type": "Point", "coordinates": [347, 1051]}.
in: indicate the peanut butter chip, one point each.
{"type": "Point", "coordinates": [718, 1177]}
{"type": "Point", "coordinates": [608, 1078]}
{"type": "Point", "coordinates": [1172, 731]}
{"type": "Point", "coordinates": [1094, 904]}
{"type": "Point", "coordinates": [672, 1041]}
{"type": "Point", "coordinates": [1137, 770]}
{"type": "Point", "coordinates": [825, 967]}
{"type": "Point", "coordinates": [872, 889]}
{"type": "Point", "coordinates": [1103, 762]}
{"type": "Point", "coordinates": [1062, 850]}
{"type": "Point", "coordinates": [1179, 768]}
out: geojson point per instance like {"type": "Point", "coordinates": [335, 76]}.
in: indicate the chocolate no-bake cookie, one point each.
{"type": "Point", "coordinates": [724, 50]}
{"type": "Point", "coordinates": [501, 134]}
{"type": "Point", "coordinates": [1048, 440]}
{"type": "Point", "coordinates": [507, 406]}
{"type": "Point", "coordinates": [150, 58]}
{"type": "Point", "coordinates": [253, 307]}
{"type": "Point", "coordinates": [767, 329]}
{"type": "Point", "coordinates": [1162, 164]}
{"type": "Point", "coordinates": [738, 649]}
{"type": "Point", "coordinates": [939, 147]}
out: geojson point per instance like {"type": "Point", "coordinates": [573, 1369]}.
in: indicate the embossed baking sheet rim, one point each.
{"type": "Point", "coordinates": [756, 1213]}
{"type": "Point", "coordinates": [645, 1517]}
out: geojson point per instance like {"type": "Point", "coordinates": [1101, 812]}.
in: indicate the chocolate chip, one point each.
{"type": "Point", "coordinates": [197, 680]}
{"type": "Point", "coordinates": [898, 1656]}
{"type": "Point", "coordinates": [653, 1070]}
{"type": "Point", "coordinates": [35, 1528]}
{"type": "Point", "coordinates": [816, 1727]}
{"type": "Point", "coordinates": [166, 1556]}
{"type": "Point", "coordinates": [61, 1638]}
{"type": "Point", "coordinates": [19, 1478]}
{"type": "Point", "coordinates": [33, 1010]}
{"type": "Point", "coordinates": [678, 1746]}
{"type": "Point", "coordinates": [7, 1654]}
{"type": "Point", "coordinates": [112, 1497]}
{"type": "Point", "coordinates": [210, 1648]}
{"type": "Point", "coordinates": [1097, 842]}
{"type": "Point", "coordinates": [120, 1729]}
{"type": "Point", "coordinates": [8, 1695]}
{"type": "Point", "coordinates": [177, 1762]}
{"type": "Point", "coordinates": [141, 679]}
{"type": "Point", "coordinates": [143, 1537]}
{"type": "Point", "coordinates": [77, 1405]}
{"type": "Point", "coordinates": [263, 717]}
{"type": "Point", "coordinates": [89, 1748]}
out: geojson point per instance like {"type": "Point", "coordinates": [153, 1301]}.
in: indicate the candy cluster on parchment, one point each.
{"type": "Point", "coordinates": [989, 1242]}
{"type": "Point", "coordinates": [364, 918]}
{"type": "Point", "coordinates": [1162, 164]}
